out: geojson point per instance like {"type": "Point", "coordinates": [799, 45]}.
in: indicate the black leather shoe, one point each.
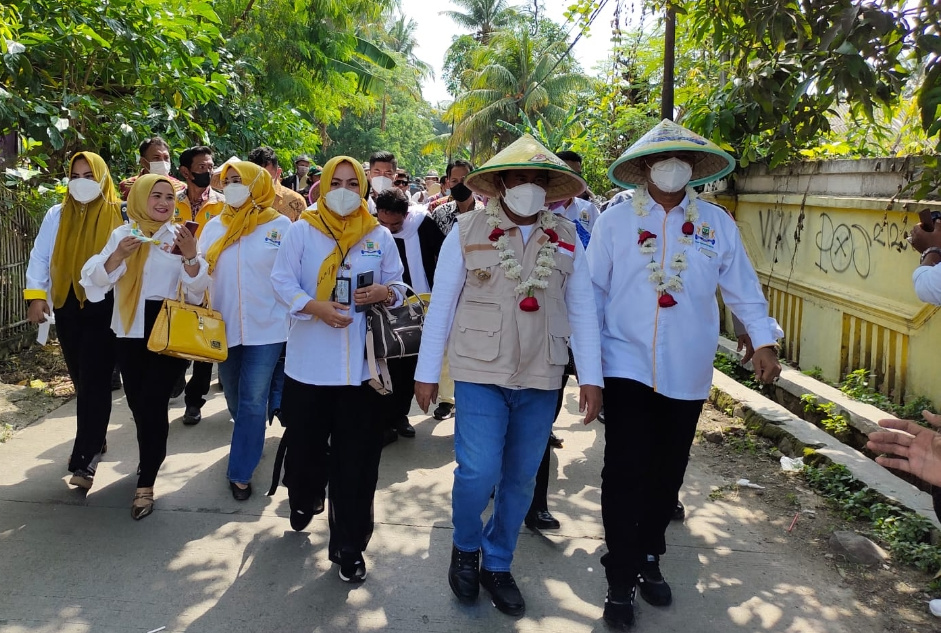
{"type": "Point", "coordinates": [541, 520]}
{"type": "Point", "coordinates": [240, 494]}
{"type": "Point", "coordinates": [504, 593]}
{"type": "Point", "coordinates": [444, 411]}
{"type": "Point", "coordinates": [300, 517]}
{"type": "Point", "coordinates": [679, 513]}
{"type": "Point", "coordinates": [192, 416]}
{"type": "Point", "coordinates": [389, 436]}
{"type": "Point", "coordinates": [404, 428]}
{"type": "Point", "coordinates": [619, 607]}
{"type": "Point", "coordinates": [464, 574]}
{"type": "Point", "coordinates": [653, 588]}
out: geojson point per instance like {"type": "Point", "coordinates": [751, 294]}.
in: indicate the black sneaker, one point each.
{"type": "Point", "coordinates": [192, 416]}
{"type": "Point", "coordinates": [444, 411]}
{"type": "Point", "coordinates": [653, 588]}
{"type": "Point", "coordinates": [179, 386]}
{"type": "Point", "coordinates": [504, 594]}
{"type": "Point", "coordinates": [541, 520]}
{"type": "Point", "coordinates": [389, 436]}
{"type": "Point", "coordinates": [352, 569]}
{"type": "Point", "coordinates": [619, 607]}
{"type": "Point", "coordinates": [679, 512]}
{"type": "Point", "coordinates": [464, 574]}
{"type": "Point", "coordinates": [405, 429]}
{"type": "Point", "coordinates": [300, 517]}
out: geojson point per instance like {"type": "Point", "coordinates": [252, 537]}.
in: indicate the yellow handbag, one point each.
{"type": "Point", "coordinates": [183, 330]}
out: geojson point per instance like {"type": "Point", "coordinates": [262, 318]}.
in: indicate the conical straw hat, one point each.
{"type": "Point", "coordinates": [713, 163]}
{"type": "Point", "coordinates": [527, 153]}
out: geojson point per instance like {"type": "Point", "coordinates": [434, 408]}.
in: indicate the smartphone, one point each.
{"type": "Point", "coordinates": [192, 227]}
{"type": "Point", "coordinates": [363, 280]}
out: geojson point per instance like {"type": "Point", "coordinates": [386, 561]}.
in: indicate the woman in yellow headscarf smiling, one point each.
{"type": "Point", "coordinates": [72, 232]}
{"type": "Point", "coordinates": [146, 261]}
{"type": "Point", "coordinates": [334, 257]}
{"type": "Point", "coordinates": [240, 245]}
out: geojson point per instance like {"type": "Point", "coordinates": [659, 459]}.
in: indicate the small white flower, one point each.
{"type": "Point", "coordinates": [639, 202]}
{"type": "Point", "coordinates": [648, 247]}
{"type": "Point", "coordinates": [656, 277]}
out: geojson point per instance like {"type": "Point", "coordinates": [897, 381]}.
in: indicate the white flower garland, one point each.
{"type": "Point", "coordinates": [545, 259]}
{"type": "Point", "coordinates": [658, 277]}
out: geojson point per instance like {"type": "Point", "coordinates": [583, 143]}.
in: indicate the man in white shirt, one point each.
{"type": "Point", "coordinates": [578, 209]}
{"type": "Point", "coordinates": [656, 263]}
{"type": "Point", "coordinates": [511, 287]}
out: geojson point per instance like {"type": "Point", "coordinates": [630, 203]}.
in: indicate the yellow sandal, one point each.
{"type": "Point", "coordinates": [143, 503]}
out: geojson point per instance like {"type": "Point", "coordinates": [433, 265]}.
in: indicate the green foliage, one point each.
{"type": "Point", "coordinates": [815, 372]}
{"type": "Point", "coordinates": [907, 534]}
{"type": "Point", "coordinates": [832, 422]}
{"type": "Point", "coordinates": [856, 386]}
{"type": "Point", "coordinates": [730, 366]}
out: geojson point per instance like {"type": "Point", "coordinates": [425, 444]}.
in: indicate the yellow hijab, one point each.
{"type": "Point", "coordinates": [254, 211]}
{"type": "Point", "coordinates": [130, 282]}
{"type": "Point", "coordinates": [346, 231]}
{"type": "Point", "coordinates": [84, 230]}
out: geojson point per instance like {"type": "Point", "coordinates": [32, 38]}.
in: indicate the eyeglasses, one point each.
{"type": "Point", "coordinates": [400, 183]}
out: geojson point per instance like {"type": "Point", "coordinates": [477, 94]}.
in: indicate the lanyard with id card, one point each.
{"type": "Point", "coordinates": [342, 289]}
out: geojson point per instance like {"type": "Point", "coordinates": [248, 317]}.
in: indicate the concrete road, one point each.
{"type": "Point", "coordinates": [204, 563]}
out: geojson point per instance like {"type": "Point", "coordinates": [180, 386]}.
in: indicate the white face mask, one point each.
{"type": "Point", "coordinates": [525, 200]}
{"type": "Point", "coordinates": [84, 190]}
{"type": "Point", "coordinates": [670, 175]}
{"type": "Point", "coordinates": [236, 194]}
{"type": "Point", "coordinates": [160, 167]}
{"type": "Point", "coordinates": [302, 171]}
{"type": "Point", "coordinates": [343, 201]}
{"type": "Point", "coordinates": [380, 183]}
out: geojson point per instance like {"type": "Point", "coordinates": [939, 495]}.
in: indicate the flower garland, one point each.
{"type": "Point", "coordinates": [647, 241]}
{"type": "Point", "coordinates": [545, 258]}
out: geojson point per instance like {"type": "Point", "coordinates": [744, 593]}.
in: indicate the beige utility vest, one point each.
{"type": "Point", "coordinates": [492, 340]}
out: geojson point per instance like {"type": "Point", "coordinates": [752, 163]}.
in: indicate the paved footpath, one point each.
{"type": "Point", "coordinates": [204, 563]}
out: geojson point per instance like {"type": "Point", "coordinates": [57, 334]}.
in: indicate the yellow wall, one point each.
{"type": "Point", "coordinates": [837, 272]}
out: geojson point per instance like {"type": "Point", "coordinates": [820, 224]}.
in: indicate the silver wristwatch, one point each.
{"type": "Point", "coordinates": [191, 262]}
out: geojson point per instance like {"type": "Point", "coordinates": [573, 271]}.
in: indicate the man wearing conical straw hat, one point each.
{"type": "Point", "coordinates": [511, 288]}
{"type": "Point", "coordinates": [656, 262]}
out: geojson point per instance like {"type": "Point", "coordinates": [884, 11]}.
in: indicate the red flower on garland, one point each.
{"type": "Point", "coordinates": [552, 235]}
{"type": "Point", "coordinates": [644, 236]}
{"type": "Point", "coordinates": [496, 234]}
{"type": "Point", "coordinates": [666, 300]}
{"type": "Point", "coordinates": [529, 304]}
{"type": "Point", "coordinates": [688, 228]}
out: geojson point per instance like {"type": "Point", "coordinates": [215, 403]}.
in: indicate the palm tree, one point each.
{"type": "Point", "coordinates": [400, 38]}
{"type": "Point", "coordinates": [508, 79]}
{"type": "Point", "coordinates": [482, 17]}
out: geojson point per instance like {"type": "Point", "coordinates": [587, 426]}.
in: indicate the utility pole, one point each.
{"type": "Point", "coordinates": [669, 54]}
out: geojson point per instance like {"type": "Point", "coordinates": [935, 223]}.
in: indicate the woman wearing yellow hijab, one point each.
{"type": "Point", "coordinates": [72, 232]}
{"type": "Point", "coordinates": [240, 245]}
{"type": "Point", "coordinates": [324, 268]}
{"type": "Point", "coordinates": [145, 262]}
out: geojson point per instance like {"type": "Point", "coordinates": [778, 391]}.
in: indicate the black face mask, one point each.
{"type": "Point", "coordinates": [202, 180]}
{"type": "Point", "coordinates": [460, 192]}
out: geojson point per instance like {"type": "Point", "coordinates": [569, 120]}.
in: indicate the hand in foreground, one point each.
{"type": "Point", "coordinates": [917, 449]}
{"type": "Point", "coordinates": [126, 247]}
{"type": "Point", "coordinates": [425, 394]}
{"type": "Point", "coordinates": [330, 312]}
{"type": "Point", "coordinates": [766, 364]}
{"type": "Point", "coordinates": [37, 311]}
{"type": "Point", "coordinates": [589, 402]}
{"type": "Point", "coordinates": [369, 295]}
{"type": "Point", "coordinates": [185, 241]}
{"type": "Point", "coordinates": [922, 239]}
{"type": "Point", "coordinates": [744, 341]}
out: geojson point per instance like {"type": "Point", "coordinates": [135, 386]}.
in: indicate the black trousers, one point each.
{"type": "Point", "coordinates": [541, 491]}
{"type": "Point", "coordinates": [87, 343]}
{"type": "Point", "coordinates": [647, 442]}
{"type": "Point", "coordinates": [397, 404]}
{"type": "Point", "coordinates": [198, 385]}
{"type": "Point", "coordinates": [148, 382]}
{"type": "Point", "coordinates": [346, 417]}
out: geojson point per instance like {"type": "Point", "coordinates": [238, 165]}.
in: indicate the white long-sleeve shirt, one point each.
{"type": "Point", "coordinates": [450, 275]}
{"type": "Point", "coordinates": [160, 278]}
{"type": "Point", "coordinates": [318, 354]}
{"type": "Point", "coordinates": [38, 277]}
{"type": "Point", "coordinates": [671, 349]}
{"type": "Point", "coordinates": [927, 281]}
{"type": "Point", "coordinates": [241, 287]}
{"type": "Point", "coordinates": [583, 212]}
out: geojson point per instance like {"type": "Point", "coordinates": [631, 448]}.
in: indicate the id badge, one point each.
{"type": "Point", "coordinates": [341, 292]}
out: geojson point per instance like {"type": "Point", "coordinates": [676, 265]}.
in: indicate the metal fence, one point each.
{"type": "Point", "coordinates": [17, 232]}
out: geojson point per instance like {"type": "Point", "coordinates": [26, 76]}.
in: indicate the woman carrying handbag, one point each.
{"type": "Point", "coordinates": [145, 262]}
{"type": "Point", "coordinates": [334, 262]}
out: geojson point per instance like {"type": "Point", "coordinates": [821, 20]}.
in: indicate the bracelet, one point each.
{"type": "Point", "coordinates": [928, 251]}
{"type": "Point", "coordinates": [390, 299]}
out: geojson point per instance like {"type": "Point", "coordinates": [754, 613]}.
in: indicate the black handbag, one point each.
{"type": "Point", "coordinates": [392, 333]}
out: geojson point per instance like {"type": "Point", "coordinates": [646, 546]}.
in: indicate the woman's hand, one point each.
{"type": "Point", "coordinates": [126, 247]}
{"type": "Point", "coordinates": [330, 312]}
{"type": "Point", "coordinates": [185, 241]}
{"type": "Point", "coordinates": [369, 295]}
{"type": "Point", "coordinates": [38, 311]}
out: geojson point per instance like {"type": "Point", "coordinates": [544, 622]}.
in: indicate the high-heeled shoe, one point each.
{"type": "Point", "coordinates": [143, 503]}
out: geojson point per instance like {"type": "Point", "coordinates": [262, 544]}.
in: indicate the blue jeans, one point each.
{"type": "Point", "coordinates": [246, 378]}
{"type": "Point", "coordinates": [500, 435]}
